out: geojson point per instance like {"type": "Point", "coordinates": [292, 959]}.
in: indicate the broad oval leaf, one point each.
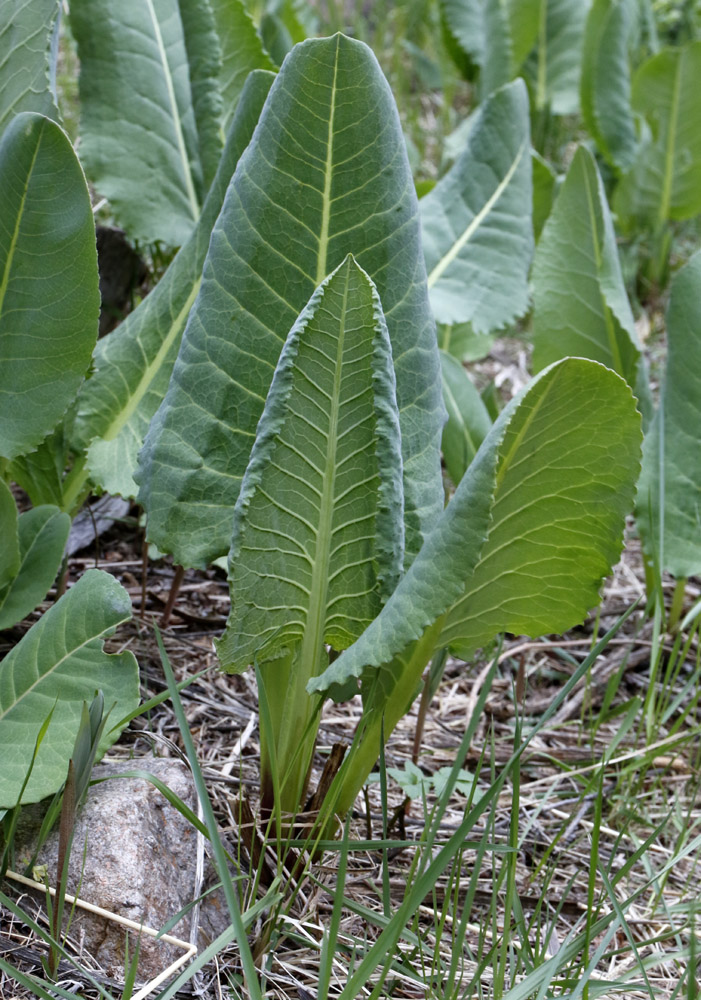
{"type": "Point", "coordinates": [605, 84]}
{"type": "Point", "coordinates": [665, 180]}
{"type": "Point", "coordinates": [468, 420]}
{"type": "Point", "coordinates": [27, 33]}
{"type": "Point", "coordinates": [57, 666]}
{"type": "Point", "coordinates": [139, 140]}
{"type": "Point", "coordinates": [42, 534]}
{"type": "Point", "coordinates": [580, 306]}
{"type": "Point", "coordinates": [534, 526]}
{"type": "Point", "coordinates": [134, 363]}
{"type": "Point", "coordinates": [49, 296]}
{"type": "Point", "coordinates": [318, 528]}
{"type": "Point", "coordinates": [325, 175]}
{"type": "Point", "coordinates": [478, 240]}
{"type": "Point", "coordinates": [669, 492]}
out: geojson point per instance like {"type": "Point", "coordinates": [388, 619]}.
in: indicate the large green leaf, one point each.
{"type": "Point", "coordinates": [241, 51]}
{"type": "Point", "coordinates": [556, 63]}
{"type": "Point", "coordinates": [139, 138]}
{"type": "Point", "coordinates": [665, 180]}
{"type": "Point", "coordinates": [468, 421]}
{"type": "Point", "coordinates": [42, 533]}
{"type": "Point", "coordinates": [580, 305]}
{"type": "Point", "coordinates": [55, 667]}
{"type": "Point", "coordinates": [49, 297]}
{"type": "Point", "coordinates": [669, 492]}
{"type": "Point", "coordinates": [318, 527]}
{"type": "Point", "coordinates": [534, 526]}
{"type": "Point", "coordinates": [133, 364]}
{"type": "Point", "coordinates": [478, 240]}
{"type": "Point", "coordinates": [605, 83]}
{"type": "Point", "coordinates": [325, 175]}
{"type": "Point", "coordinates": [27, 33]}
{"type": "Point", "coordinates": [205, 64]}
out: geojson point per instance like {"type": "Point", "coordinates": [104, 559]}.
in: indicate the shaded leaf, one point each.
{"type": "Point", "coordinates": [205, 66]}
{"type": "Point", "coordinates": [468, 421]}
{"type": "Point", "coordinates": [534, 526]}
{"type": "Point", "coordinates": [669, 492]}
{"type": "Point", "coordinates": [49, 300]}
{"type": "Point", "coordinates": [605, 83]}
{"type": "Point", "coordinates": [42, 534]}
{"type": "Point", "coordinates": [556, 64]}
{"type": "Point", "coordinates": [478, 239]}
{"type": "Point", "coordinates": [57, 666]}
{"type": "Point", "coordinates": [27, 30]}
{"type": "Point", "coordinates": [133, 364]}
{"type": "Point", "coordinates": [544, 190]}
{"type": "Point", "coordinates": [317, 539]}
{"type": "Point", "coordinates": [139, 140]}
{"type": "Point", "coordinates": [325, 175]}
{"type": "Point", "coordinates": [463, 343]}
{"type": "Point", "coordinates": [241, 52]}
{"type": "Point", "coordinates": [9, 550]}
{"type": "Point", "coordinates": [665, 180]}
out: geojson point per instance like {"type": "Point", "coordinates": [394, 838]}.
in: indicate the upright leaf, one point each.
{"type": "Point", "coordinates": [580, 305]}
{"type": "Point", "coordinates": [325, 175]}
{"type": "Point", "coordinates": [605, 83]}
{"type": "Point", "coordinates": [133, 364]}
{"type": "Point", "coordinates": [468, 421]}
{"type": "Point", "coordinates": [55, 667]}
{"type": "Point", "coordinates": [544, 190]}
{"type": "Point", "coordinates": [205, 65]}
{"type": "Point", "coordinates": [665, 180]}
{"type": "Point", "coordinates": [139, 139]}
{"type": "Point", "coordinates": [318, 532]}
{"type": "Point", "coordinates": [669, 492]}
{"type": "Point", "coordinates": [556, 64]}
{"type": "Point", "coordinates": [9, 550]}
{"type": "Point", "coordinates": [534, 526]}
{"type": "Point", "coordinates": [49, 297]}
{"type": "Point", "coordinates": [241, 52]}
{"type": "Point", "coordinates": [42, 533]}
{"type": "Point", "coordinates": [27, 29]}
{"type": "Point", "coordinates": [465, 22]}
{"type": "Point", "coordinates": [478, 240]}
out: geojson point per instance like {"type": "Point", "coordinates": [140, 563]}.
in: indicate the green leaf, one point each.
{"type": "Point", "coordinates": [534, 526]}
{"type": "Point", "coordinates": [40, 472]}
{"type": "Point", "coordinates": [27, 33]}
{"type": "Point", "coordinates": [241, 51]}
{"type": "Point", "coordinates": [478, 240]}
{"type": "Point", "coordinates": [318, 527]}
{"type": "Point", "coordinates": [49, 297]}
{"type": "Point", "coordinates": [463, 343]}
{"type": "Point", "coordinates": [468, 421]}
{"type": "Point", "coordinates": [58, 665]}
{"type": "Point", "coordinates": [465, 21]}
{"type": "Point", "coordinates": [9, 550]}
{"type": "Point", "coordinates": [556, 65]}
{"type": "Point", "coordinates": [665, 180]}
{"type": "Point", "coordinates": [669, 492]}
{"type": "Point", "coordinates": [605, 83]}
{"type": "Point", "coordinates": [544, 190]}
{"type": "Point", "coordinates": [325, 175]}
{"type": "Point", "coordinates": [139, 140]}
{"type": "Point", "coordinates": [580, 305]}
{"type": "Point", "coordinates": [204, 63]}
{"type": "Point", "coordinates": [42, 535]}
{"type": "Point", "coordinates": [134, 363]}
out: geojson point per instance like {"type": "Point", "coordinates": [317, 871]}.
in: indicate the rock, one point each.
{"type": "Point", "coordinates": [139, 862]}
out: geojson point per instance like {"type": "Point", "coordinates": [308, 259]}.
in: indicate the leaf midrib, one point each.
{"type": "Point", "coordinates": [321, 266]}
{"type": "Point", "coordinates": [20, 213]}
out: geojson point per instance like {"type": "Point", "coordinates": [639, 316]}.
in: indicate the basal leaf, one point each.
{"type": "Point", "coordinates": [566, 478]}
{"type": "Point", "coordinates": [665, 180]}
{"type": "Point", "coordinates": [468, 421]}
{"type": "Point", "coordinates": [139, 140]}
{"type": "Point", "coordinates": [318, 528]}
{"type": "Point", "coordinates": [42, 533]}
{"type": "Point", "coordinates": [325, 175]}
{"type": "Point", "coordinates": [27, 29]}
{"type": "Point", "coordinates": [49, 297]}
{"type": "Point", "coordinates": [556, 64]}
{"type": "Point", "coordinates": [9, 550]}
{"type": "Point", "coordinates": [463, 343]}
{"type": "Point", "coordinates": [478, 240]}
{"type": "Point", "coordinates": [580, 305]}
{"type": "Point", "coordinates": [556, 475]}
{"type": "Point", "coordinates": [669, 492]}
{"type": "Point", "coordinates": [205, 65]}
{"type": "Point", "coordinates": [544, 190]}
{"type": "Point", "coordinates": [57, 666]}
{"type": "Point", "coordinates": [134, 363]}
{"type": "Point", "coordinates": [465, 22]}
{"type": "Point", "coordinates": [605, 83]}
{"type": "Point", "coordinates": [241, 51]}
